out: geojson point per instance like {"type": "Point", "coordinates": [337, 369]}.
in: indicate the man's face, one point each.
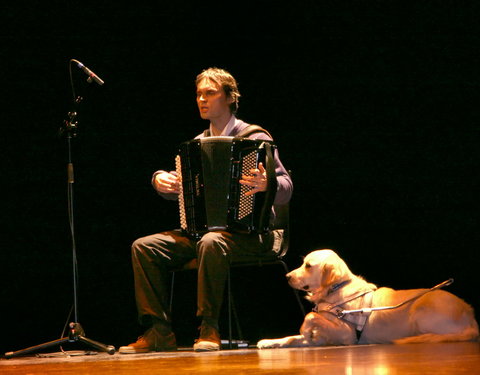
{"type": "Point", "coordinates": [212, 101]}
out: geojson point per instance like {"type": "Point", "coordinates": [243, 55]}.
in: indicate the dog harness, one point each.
{"type": "Point", "coordinates": [336, 308]}
{"type": "Point", "coordinates": [360, 316]}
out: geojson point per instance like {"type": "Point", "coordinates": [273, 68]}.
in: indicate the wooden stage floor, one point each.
{"type": "Point", "coordinates": [438, 359]}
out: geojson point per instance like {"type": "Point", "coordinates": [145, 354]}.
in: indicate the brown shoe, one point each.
{"type": "Point", "coordinates": [151, 341]}
{"type": "Point", "coordinates": [209, 339]}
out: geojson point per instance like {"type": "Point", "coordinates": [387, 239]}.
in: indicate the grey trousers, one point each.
{"type": "Point", "coordinates": [155, 256]}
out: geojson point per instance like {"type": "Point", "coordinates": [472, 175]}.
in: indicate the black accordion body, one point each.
{"type": "Point", "coordinates": [211, 197]}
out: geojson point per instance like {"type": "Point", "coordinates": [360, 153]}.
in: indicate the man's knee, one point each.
{"type": "Point", "coordinates": [138, 245]}
{"type": "Point", "coordinates": [212, 243]}
{"type": "Point", "coordinates": [143, 247]}
{"type": "Point", "coordinates": [211, 238]}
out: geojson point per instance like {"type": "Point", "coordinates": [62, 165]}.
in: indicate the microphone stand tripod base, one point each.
{"type": "Point", "coordinates": [76, 334]}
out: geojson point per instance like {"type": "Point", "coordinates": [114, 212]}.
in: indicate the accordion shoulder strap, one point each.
{"type": "Point", "coordinates": [252, 129]}
{"type": "Point", "coordinates": [271, 184]}
{"type": "Point", "coordinates": [249, 130]}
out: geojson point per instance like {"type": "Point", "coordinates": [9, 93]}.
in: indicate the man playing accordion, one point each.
{"type": "Point", "coordinates": [155, 256]}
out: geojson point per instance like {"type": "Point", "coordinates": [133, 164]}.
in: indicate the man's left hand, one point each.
{"type": "Point", "coordinates": [258, 180]}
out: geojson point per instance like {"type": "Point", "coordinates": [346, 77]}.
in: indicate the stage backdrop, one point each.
{"type": "Point", "coordinates": [373, 109]}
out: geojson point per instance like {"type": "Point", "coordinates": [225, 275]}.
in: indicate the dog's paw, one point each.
{"type": "Point", "coordinates": [269, 344]}
{"type": "Point", "coordinates": [286, 342]}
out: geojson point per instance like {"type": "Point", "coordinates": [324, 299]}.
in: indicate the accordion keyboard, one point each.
{"type": "Point", "coordinates": [181, 200]}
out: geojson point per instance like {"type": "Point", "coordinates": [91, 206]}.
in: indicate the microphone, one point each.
{"type": "Point", "coordinates": [91, 75]}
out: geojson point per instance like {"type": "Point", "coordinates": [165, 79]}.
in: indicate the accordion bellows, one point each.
{"type": "Point", "coordinates": [211, 197]}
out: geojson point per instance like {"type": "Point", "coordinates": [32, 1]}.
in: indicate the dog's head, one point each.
{"type": "Point", "coordinates": [320, 271]}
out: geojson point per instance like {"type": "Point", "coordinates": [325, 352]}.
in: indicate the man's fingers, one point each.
{"type": "Point", "coordinates": [167, 183]}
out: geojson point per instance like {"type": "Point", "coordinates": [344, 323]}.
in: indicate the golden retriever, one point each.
{"type": "Point", "coordinates": [349, 310]}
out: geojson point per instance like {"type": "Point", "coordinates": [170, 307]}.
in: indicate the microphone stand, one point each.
{"type": "Point", "coordinates": [76, 332]}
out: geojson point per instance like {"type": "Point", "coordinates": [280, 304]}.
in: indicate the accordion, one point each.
{"type": "Point", "coordinates": [211, 197]}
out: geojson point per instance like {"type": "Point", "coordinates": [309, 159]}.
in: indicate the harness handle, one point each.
{"type": "Point", "coordinates": [340, 314]}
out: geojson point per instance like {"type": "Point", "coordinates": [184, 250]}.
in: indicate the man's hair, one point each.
{"type": "Point", "coordinates": [226, 81]}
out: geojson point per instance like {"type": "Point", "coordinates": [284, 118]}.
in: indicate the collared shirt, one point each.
{"type": "Point", "coordinates": [228, 128]}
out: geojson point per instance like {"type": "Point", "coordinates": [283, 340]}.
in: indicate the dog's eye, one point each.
{"type": "Point", "coordinates": [307, 265]}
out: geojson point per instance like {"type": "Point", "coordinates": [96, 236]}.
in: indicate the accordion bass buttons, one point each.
{"type": "Point", "coordinates": [246, 202]}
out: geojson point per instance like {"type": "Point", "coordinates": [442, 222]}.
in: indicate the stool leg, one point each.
{"type": "Point", "coordinates": [229, 297]}
{"type": "Point", "coordinates": [295, 291]}
{"type": "Point", "coordinates": [235, 317]}
{"type": "Point", "coordinates": [171, 290]}
{"type": "Point", "coordinates": [232, 313]}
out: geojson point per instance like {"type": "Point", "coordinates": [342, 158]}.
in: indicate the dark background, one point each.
{"type": "Point", "coordinates": [374, 108]}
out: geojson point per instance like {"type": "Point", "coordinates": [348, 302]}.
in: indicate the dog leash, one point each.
{"type": "Point", "coordinates": [342, 313]}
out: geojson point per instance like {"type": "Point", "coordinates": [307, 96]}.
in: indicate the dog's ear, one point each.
{"type": "Point", "coordinates": [330, 274]}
